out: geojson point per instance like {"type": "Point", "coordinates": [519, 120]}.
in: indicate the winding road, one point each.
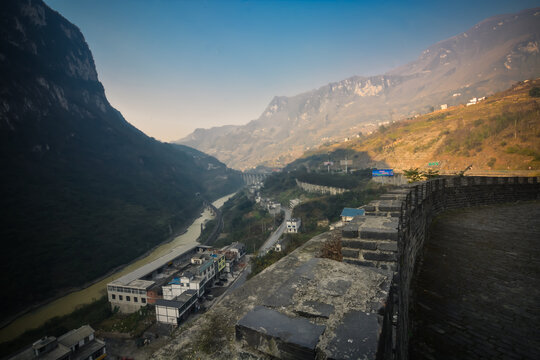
{"type": "Point", "coordinates": [274, 237]}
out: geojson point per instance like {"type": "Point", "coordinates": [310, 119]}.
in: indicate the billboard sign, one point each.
{"type": "Point", "coordinates": [382, 172]}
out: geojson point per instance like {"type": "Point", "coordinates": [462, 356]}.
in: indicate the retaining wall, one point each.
{"type": "Point", "coordinates": [321, 189]}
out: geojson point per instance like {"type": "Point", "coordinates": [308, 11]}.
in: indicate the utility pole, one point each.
{"type": "Point", "coordinates": [329, 162]}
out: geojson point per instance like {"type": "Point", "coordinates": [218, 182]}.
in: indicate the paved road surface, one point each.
{"type": "Point", "coordinates": [274, 237]}
{"type": "Point", "coordinates": [478, 290]}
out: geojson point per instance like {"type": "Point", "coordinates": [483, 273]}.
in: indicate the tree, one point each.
{"type": "Point", "coordinates": [535, 92]}
{"type": "Point", "coordinates": [413, 175]}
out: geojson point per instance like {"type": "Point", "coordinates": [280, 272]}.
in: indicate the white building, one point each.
{"type": "Point", "coordinates": [444, 106]}
{"type": "Point", "coordinates": [196, 278]}
{"type": "Point", "coordinates": [173, 311]}
{"type": "Point", "coordinates": [129, 293]}
{"type": "Point", "coordinates": [473, 101]}
{"type": "Point", "coordinates": [293, 225]}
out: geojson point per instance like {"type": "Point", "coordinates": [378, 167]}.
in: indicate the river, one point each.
{"type": "Point", "coordinates": [70, 302]}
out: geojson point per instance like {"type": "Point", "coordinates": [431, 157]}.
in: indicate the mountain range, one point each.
{"type": "Point", "coordinates": [487, 58]}
{"type": "Point", "coordinates": [498, 135]}
{"type": "Point", "coordinates": [83, 191]}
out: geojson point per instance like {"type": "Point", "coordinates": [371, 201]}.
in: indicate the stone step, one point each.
{"type": "Point", "coordinates": [370, 250]}
{"type": "Point", "coordinates": [384, 265]}
{"type": "Point", "coordinates": [369, 255]}
{"type": "Point", "coordinates": [378, 256]}
{"type": "Point", "coordinates": [372, 228]}
{"type": "Point", "coordinates": [391, 196]}
{"type": "Point", "coordinates": [383, 205]}
{"type": "Point", "coordinates": [359, 244]}
{"type": "Point", "coordinates": [377, 234]}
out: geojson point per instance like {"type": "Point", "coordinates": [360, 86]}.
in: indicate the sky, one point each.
{"type": "Point", "coordinates": [171, 66]}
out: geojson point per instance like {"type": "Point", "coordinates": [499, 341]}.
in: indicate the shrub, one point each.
{"type": "Point", "coordinates": [535, 92]}
{"type": "Point", "coordinates": [332, 248]}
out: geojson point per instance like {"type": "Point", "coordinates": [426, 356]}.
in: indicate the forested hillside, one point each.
{"type": "Point", "coordinates": [83, 191]}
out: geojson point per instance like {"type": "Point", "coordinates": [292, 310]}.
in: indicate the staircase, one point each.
{"type": "Point", "coordinates": [371, 240]}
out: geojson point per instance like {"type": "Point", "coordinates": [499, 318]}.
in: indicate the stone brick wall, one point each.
{"type": "Point", "coordinates": [425, 201]}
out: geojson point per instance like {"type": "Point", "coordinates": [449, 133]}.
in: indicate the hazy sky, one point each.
{"type": "Point", "coordinates": [173, 66]}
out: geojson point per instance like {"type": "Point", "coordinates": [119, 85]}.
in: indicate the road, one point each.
{"type": "Point", "coordinates": [274, 237]}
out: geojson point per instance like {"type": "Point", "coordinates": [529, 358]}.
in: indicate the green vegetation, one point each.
{"type": "Point", "coordinates": [414, 175]}
{"type": "Point", "coordinates": [134, 324]}
{"type": "Point", "coordinates": [292, 241]}
{"type": "Point", "coordinates": [244, 221]}
{"type": "Point", "coordinates": [93, 314]}
{"type": "Point", "coordinates": [535, 92]}
{"type": "Point", "coordinates": [523, 151]}
{"type": "Point", "coordinates": [214, 334]}
{"type": "Point", "coordinates": [330, 206]}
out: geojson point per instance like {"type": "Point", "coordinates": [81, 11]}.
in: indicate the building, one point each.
{"type": "Point", "coordinates": [444, 106]}
{"type": "Point", "coordinates": [142, 286]}
{"type": "Point", "coordinates": [78, 344]}
{"type": "Point", "coordinates": [349, 213]}
{"type": "Point", "coordinates": [173, 311]}
{"type": "Point", "coordinates": [233, 253]}
{"type": "Point", "coordinates": [195, 278]}
{"type": "Point", "coordinates": [293, 225]}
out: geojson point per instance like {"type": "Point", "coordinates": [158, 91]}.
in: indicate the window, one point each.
{"type": "Point", "coordinates": [120, 297]}
{"type": "Point", "coordinates": [135, 299]}
{"type": "Point", "coordinates": [128, 298]}
{"type": "Point", "coordinates": [113, 296]}
{"type": "Point", "coordinates": [143, 300]}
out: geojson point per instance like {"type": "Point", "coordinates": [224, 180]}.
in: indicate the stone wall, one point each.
{"type": "Point", "coordinates": [321, 189]}
{"type": "Point", "coordinates": [424, 202]}
{"type": "Point", "coordinates": [305, 307]}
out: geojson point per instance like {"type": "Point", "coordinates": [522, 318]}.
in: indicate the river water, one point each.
{"type": "Point", "coordinates": [70, 302]}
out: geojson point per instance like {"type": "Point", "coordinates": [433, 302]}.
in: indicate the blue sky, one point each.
{"type": "Point", "coordinates": [173, 66]}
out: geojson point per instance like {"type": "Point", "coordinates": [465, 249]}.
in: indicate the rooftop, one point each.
{"type": "Point", "coordinates": [352, 212]}
{"type": "Point", "coordinates": [153, 266]}
{"type": "Point", "coordinates": [178, 301]}
{"type": "Point", "coordinates": [74, 336]}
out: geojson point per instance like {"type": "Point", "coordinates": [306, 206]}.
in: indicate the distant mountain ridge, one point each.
{"type": "Point", "coordinates": [487, 58]}
{"type": "Point", "coordinates": [83, 191]}
{"type": "Point", "coordinates": [498, 135]}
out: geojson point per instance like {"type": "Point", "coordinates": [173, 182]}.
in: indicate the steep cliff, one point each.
{"type": "Point", "coordinates": [83, 191]}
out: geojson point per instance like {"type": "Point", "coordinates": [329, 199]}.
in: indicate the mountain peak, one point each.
{"type": "Point", "coordinates": [487, 58]}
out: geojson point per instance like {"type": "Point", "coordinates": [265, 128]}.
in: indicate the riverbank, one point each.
{"type": "Point", "coordinates": [70, 302]}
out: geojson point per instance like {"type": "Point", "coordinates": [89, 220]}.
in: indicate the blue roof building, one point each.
{"type": "Point", "coordinates": [349, 213]}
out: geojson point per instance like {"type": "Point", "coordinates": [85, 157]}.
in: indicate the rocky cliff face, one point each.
{"type": "Point", "coordinates": [81, 187]}
{"type": "Point", "coordinates": [487, 58]}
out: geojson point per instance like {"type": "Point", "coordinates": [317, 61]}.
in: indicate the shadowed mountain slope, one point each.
{"type": "Point", "coordinates": [83, 191]}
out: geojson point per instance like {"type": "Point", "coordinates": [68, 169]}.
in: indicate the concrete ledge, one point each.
{"type": "Point", "coordinates": [279, 335]}
{"type": "Point", "coordinates": [356, 338]}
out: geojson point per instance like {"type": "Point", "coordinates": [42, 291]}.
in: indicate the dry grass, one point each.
{"type": "Point", "coordinates": [332, 248]}
{"type": "Point", "coordinates": [500, 133]}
